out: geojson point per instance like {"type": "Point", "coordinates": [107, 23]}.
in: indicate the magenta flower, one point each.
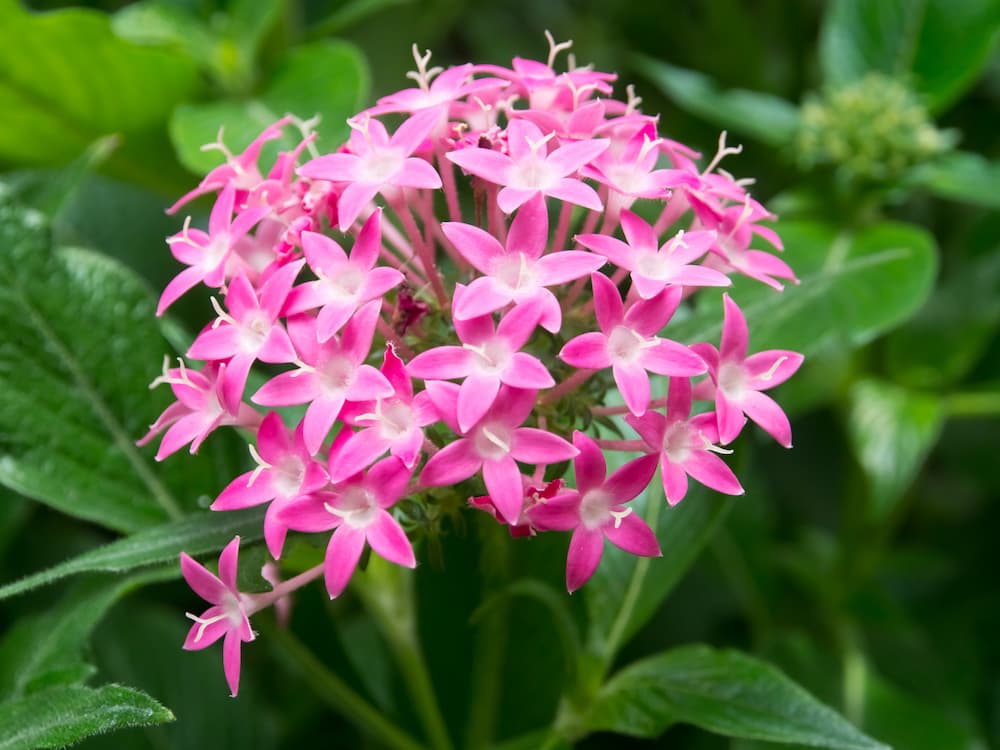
{"type": "Point", "coordinates": [198, 410]}
{"type": "Point", "coordinates": [686, 446]}
{"type": "Point", "coordinates": [653, 268]}
{"type": "Point", "coordinates": [344, 282]}
{"type": "Point", "coordinates": [206, 254]}
{"type": "Point", "coordinates": [393, 424]}
{"type": "Point", "coordinates": [248, 331]}
{"type": "Point", "coordinates": [596, 510]}
{"type": "Point", "coordinates": [376, 162]}
{"type": "Point", "coordinates": [628, 345]}
{"type": "Point", "coordinates": [227, 618]}
{"type": "Point", "coordinates": [357, 510]}
{"type": "Point", "coordinates": [328, 374]}
{"type": "Point", "coordinates": [520, 272]}
{"type": "Point", "coordinates": [494, 444]}
{"type": "Point", "coordinates": [632, 171]}
{"type": "Point", "coordinates": [486, 359]}
{"type": "Point", "coordinates": [530, 170]}
{"type": "Point", "coordinates": [285, 471]}
{"type": "Point", "coordinates": [739, 380]}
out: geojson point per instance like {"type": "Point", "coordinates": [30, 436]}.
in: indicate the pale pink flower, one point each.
{"type": "Point", "coordinates": [739, 380]}
{"type": "Point", "coordinates": [632, 170]}
{"type": "Point", "coordinates": [226, 618]}
{"type": "Point", "coordinates": [358, 511]}
{"type": "Point", "coordinates": [628, 344]}
{"type": "Point", "coordinates": [531, 170]}
{"type": "Point", "coordinates": [596, 510]}
{"type": "Point", "coordinates": [520, 272]}
{"type": "Point", "coordinates": [685, 445]}
{"type": "Point", "coordinates": [375, 162]}
{"type": "Point", "coordinates": [328, 374]}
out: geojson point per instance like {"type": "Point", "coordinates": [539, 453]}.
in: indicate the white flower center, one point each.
{"type": "Point", "coordinates": [395, 419]}
{"type": "Point", "coordinates": [492, 357]}
{"type": "Point", "coordinates": [732, 379]}
{"type": "Point", "coordinates": [492, 441]}
{"type": "Point", "coordinates": [380, 165]}
{"type": "Point", "coordinates": [337, 375]}
{"type": "Point", "coordinates": [625, 345]}
{"type": "Point", "coordinates": [594, 508]}
{"type": "Point", "coordinates": [288, 476]}
{"type": "Point", "coordinates": [677, 443]}
{"type": "Point", "coordinates": [356, 505]}
{"type": "Point", "coordinates": [516, 273]}
{"type": "Point", "coordinates": [653, 265]}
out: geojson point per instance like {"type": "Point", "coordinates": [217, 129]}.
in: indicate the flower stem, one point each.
{"type": "Point", "coordinates": [338, 694]}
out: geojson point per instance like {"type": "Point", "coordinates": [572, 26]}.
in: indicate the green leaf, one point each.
{"type": "Point", "coordinates": [941, 45]}
{"type": "Point", "coordinates": [960, 176]}
{"type": "Point", "coordinates": [349, 13]}
{"type": "Point", "coordinates": [891, 430]}
{"type": "Point", "coordinates": [853, 288]}
{"type": "Point", "coordinates": [66, 80]}
{"type": "Point", "coordinates": [329, 79]}
{"type": "Point", "coordinates": [765, 117]}
{"type": "Point", "coordinates": [80, 346]}
{"type": "Point", "coordinates": [63, 715]}
{"type": "Point", "coordinates": [196, 535]}
{"type": "Point", "coordinates": [726, 692]}
{"type": "Point", "coordinates": [46, 649]}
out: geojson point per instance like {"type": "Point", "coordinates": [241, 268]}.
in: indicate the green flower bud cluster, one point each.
{"type": "Point", "coordinates": [872, 129]}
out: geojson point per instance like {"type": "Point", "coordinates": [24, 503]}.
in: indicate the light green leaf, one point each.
{"type": "Point", "coordinates": [891, 430]}
{"type": "Point", "coordinates": [941, 45]}
{"type": "Point", "coordinates": [152, 22]}
{"type": "Point", "coordinates": [768, 118]}
{"type": "Point", "coordinates": [960, 176]}
{"type": "Point", "coordinates": [46, 649]}
{"type": "Point", "coordinates": [66, 80]}
{"type": "Point", "coordinates": [726, 692]}
{"type": "Point", "coordinates": [80, 346]}
{"type": "Point", "coordinates": [853, 288]}
{"type": "Point", "coordinates": [329, 79]}
{"type": "Point", "coordinates": [63, 715]}
{"type": "Point", "coordinates": [196, 535]}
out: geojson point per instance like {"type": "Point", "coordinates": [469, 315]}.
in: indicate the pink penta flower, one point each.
{"type": "Point", "coordinates": [487, 358]}
{"type": "Point", "coordinates": [285, 471]}
{"type": "Point", "coordinates": [628, 345]}
{"type": "Point", "coordinates": [248, 330]}
{"type": "Point", "coordinates": [632, 170]}
{"type": "Point", "coordinates": [654, 267]}
{"type": "Point", "coordinates": [394, 423]}
{"type": "Point", "coordinates": [533, 495]}
{"type": "Point", "coordinates": [494, 445]}
{"type": "Point", "coordinates": [597, 509]}
{"type": "Point", "coordinates": [375, 162]}
{"type": "Point", "coordinates": [198, 410]}
{"type": "Point", "coordinates": [531, 170]}
{"type": "Point", "coordinates": [344, 283]}
{"type": "Point", "coordinates": [686, 445]}
{"type": "Point", "coordinates": [206, 254]}
{"type": "Point", "coordinates": [328, 374]}
{"type": "Point", "coordinates": [357, 510]}
{"type": "Point", "coordinates": [520, 272]}
{"type": "Point", "coordinates": [227, 618]}
{"type": "Point", "coordinates": [738, 379]}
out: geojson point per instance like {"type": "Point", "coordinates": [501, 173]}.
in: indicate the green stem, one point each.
{"type": "Point", "coordinates": [338, 694]}
{"type": "Point", "coordinates": [387, 592]}
{"type": "Point", "coordinates": [973, 404]}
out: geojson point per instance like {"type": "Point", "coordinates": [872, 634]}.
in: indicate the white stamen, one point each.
{"type": "Point", "coordinates": [555, 49]}
{"type": "Point", "coordinates": [166, 377]}
{"type": "Point", "coordinates": [634, 101]}
{"type": "Point", "coordinates": [223, 315]}
{"type": "Point", "coordinates": [773, 369]}
{"type": "Point", "coordinates": [184, 237]}
{"type": "Point", "coordinates": [496, 440]}
{"type": "Point", "coordinates": [218, 145]}
{"type": "Point", "coordinates": [620, 515]}
{"type": "Point", "coordinates": [535, 145]}
{"type": "Point", "coordinates": [261, 465]}
{"type": "Point", "coordinates": [723, 152]}
{"type": "Point", "coordinates": [422, 75]}
{"type": "Point", "coordinates": [648, 144]}
{"type": "Point", "coordinates": [202, 623]}
{"type": "Point", "coordinates": [712, 447]}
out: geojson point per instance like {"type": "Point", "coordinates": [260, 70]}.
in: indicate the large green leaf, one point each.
{"type": "Point", "coordinates": [766, 117]}
{"type": "Point", "coordinates": [196, 535]}
{"type": "Point", "coordinates": [63, 715]}
{"type": "Point", "coordinates": [891, 430]}
{"type": "Point", "coordinates": [726, 692]}
{"type": "Point", "coordinates": [941, 45]}
{"type": "Point", "coordinates": [328, 79]}
{"type": "Point", "coordinates": [67, 80]}
{"type": "Point", "coordinates": [960, 176]}
{"type": "Point", "coordinates": [853, 288]}
{"type": "Point", "coordinates": [80, 346]}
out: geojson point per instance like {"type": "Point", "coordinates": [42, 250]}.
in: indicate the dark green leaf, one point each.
{"type": "Point", "coordinates": [891, 431]}
{"type": "Point", "coordinates": [726, 692]}
{"type": "Point", "coordinates": [942, 45]}
{"type": "Point", "coordinates": [63, 715]}
{"type": "Point", "coordinates": [67, 80]}
{"type": "Point", "coordinates": [197, 535]}
{"type": "Point", "coordinates": [960, 176]}
{"type": "Point", "coordinates": [349, 13]}
{"type": "Point", "coordinates": [853, 288]}
{"type": "Point", "coordinates": [768, 118]}
{"type": "Point", "coordinates": [328, 79]}
{"type": "Point", "coordinates": [80, 345]}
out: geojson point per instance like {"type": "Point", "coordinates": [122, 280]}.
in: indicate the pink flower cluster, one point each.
{"type": "Point", "coordinates": [414, 353]}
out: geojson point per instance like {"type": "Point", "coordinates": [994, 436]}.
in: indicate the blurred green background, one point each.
{"type": "Point", "coordinates": [862, 563]}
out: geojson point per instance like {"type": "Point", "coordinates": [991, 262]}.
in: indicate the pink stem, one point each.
{"type": "Point", "coordinates": [621, 445]}
{"type": "Point", "coordinates": [447, 171]}
{"type": "Point", "coordinates": [562, 230]}
{"type": "Point", "coordinates": [402, 209]}
{"type": "Point", "coordinates": [575, 380]}
{"type": "Point", "coordinates": [610, 411]}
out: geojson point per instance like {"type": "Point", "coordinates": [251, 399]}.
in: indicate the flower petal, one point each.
{"type": "Point", "coordinates": [342, 555]}
{"type": "Point", "coordinates": [585, 549]}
